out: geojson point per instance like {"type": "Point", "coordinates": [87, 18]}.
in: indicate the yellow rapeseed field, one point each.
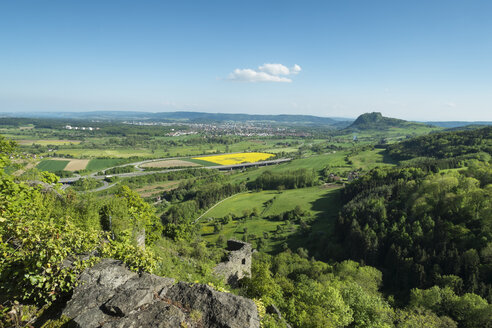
{"type": "Point", "coordinates": [231, 159]}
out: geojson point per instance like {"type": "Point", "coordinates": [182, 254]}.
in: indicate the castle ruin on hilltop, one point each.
{"type": "Point", "coordinates": [238, 262]}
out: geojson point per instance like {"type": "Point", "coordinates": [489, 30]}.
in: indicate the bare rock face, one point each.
{"type": "Point", "coordinates": [238, 262]}
{"type": "Point", "coordinates": [111, 296]}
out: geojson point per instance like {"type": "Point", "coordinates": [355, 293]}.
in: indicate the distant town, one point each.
{"type": "Point", "coordinates": [246, 129]}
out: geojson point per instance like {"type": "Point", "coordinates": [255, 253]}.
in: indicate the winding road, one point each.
{"type": "Point", "coordinates": [141, 172]}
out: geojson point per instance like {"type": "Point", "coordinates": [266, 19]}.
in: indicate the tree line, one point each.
{"type": "Point", "coordinates": [444, 144]}
{"type": "Point", "coordinates": [269, 180]}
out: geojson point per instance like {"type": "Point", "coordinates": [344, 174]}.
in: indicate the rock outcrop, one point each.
{"type": "Point", "coordinates": [110, 296]}
{"type": "Point", "coordinates": [237, 265]}
{"type": "Point", "coordinates": [376, 121]}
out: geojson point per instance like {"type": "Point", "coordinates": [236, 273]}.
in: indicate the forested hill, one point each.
{"type": "Point", "coordinates": [444, 144]}
{"type": "Point", "coordinates": [376, 121]}
{"type": "Point", "coordinates": [459, 124]}
{"type": "Point", "coordinates": [424, 227]}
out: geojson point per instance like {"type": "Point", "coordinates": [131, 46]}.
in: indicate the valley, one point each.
{"type": "Point", "coordinates": [333, 207]}
{"type": "Point", "coordinates": [245, 164]}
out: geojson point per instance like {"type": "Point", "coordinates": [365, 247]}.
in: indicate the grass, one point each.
{"type": "Point", "coordinates": [45, 142]}
{"type": "Point", "coordinates": [316, 162]}
{"type": "Point", "coordinates": [370, 159]}
{"type": "Point", "coordinates": [199, 161]}
{"type": "Point", "coordinates": [336, 160]}
{"type": "Point", "coordinates": [279, 150]}
{"type": "Point", "coordinates": [169, 163]}
{"type": "Point", "coordinates": [320, 204]}
{"type": "Point", "coordinates": [110, 153]}
{"type": "Point", "coordinates": [323, 228]}
{"type": "Point", "coordinates": [52, 165]}
{"type": "Point", "coordinates": [151, 189]}
{"type": "Point", "coordinates": [100, 163]}
{"type": "Point", "coordinates": [237, 204]}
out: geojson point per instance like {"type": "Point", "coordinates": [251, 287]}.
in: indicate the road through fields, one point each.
{"type": "Point", "coordinates": [141, 173]}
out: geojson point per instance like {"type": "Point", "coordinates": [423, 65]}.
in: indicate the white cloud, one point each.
{"type": "Point", "coordinates": [265, 73]}
{"type": "Point", "coordinates": [274, 69]}
{"type": "Point", "coordinates": [295, 69]}
{"type": "Point", "coordinates": [249, 75]}
{"type": "Point", "coordinates": [451, 104]}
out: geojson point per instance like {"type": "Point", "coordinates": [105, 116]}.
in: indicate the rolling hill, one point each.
{"type": "Point", "coordinates": [376, 121]}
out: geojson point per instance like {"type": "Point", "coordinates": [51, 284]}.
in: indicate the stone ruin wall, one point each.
{"type": "Point", "coordinates": [238, 262]}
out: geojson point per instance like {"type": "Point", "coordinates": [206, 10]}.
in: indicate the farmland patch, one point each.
{"type": "Point", "coordinates": [52, 165]}
{"type": "Point", "coordinates": [77, 164]}
{"type": "Point", "coordinates": [238, 158]}
{"type": "Point", "coordinates": [98, 164]}
{"type": "Point", "coordinates": [169, 164]}
{"type": "Point", "coordinates": [45, 142]}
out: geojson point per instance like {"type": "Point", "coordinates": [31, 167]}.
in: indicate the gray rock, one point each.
{"type": "Point", "coordinates": [158, 314]}
{"type": "Point", "coordinates": [97, 285]}
{"type": "Point", "coordinates": [92, 317]}
{"type": "Point", "coordinates": [111, 296]}
{"type": "Point", "coordinates": [218, 309]}
{"type": "Point", "coordinates": [135, 293]}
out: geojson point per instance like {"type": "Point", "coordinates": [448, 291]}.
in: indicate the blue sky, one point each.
{"type": "Point", "coordinates": [418, 60]}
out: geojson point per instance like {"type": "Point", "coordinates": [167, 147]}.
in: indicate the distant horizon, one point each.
{"type": "Point", "coordinates": [326, 115]}
{"type": "Point", "coordinates": [169, 111]}
{"type": "Point", "coordinates": [33, 113]}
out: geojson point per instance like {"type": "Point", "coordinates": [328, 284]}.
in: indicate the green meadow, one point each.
{"type": "Point", "coordinates": [102, 163]}
{"type": "Point", "coordinates": [320, 204]}
{"type": "Point", "coordinates": [52, 165]}
{"type": "Point", "coordinates": [370, 159]}
{"type": "Point", "coordinates": [315, 162]}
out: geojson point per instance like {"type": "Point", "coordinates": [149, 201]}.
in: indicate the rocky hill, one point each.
{"type": "Point", "coordinates": [376, 121]}
{"type": "Point", "coordinates": [110, 295]}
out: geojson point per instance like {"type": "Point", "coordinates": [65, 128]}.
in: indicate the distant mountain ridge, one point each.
{"type": "Point", "coordinates": [457, 124]}
{"type": "Point", "coordinates": [189, 117]}
{"type": "Point", "coordinates": [365, 121]}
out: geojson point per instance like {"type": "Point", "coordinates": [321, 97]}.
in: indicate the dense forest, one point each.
{"type": "Point", "coordinates": [444, 144]}
{"type": "Point", "coordinates": [422, 229]}
{"type": "Point", "coordinates": [315, 294]}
